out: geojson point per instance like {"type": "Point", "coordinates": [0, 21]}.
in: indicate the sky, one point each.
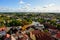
{"type": "Point", "coordinates": [29, 5]}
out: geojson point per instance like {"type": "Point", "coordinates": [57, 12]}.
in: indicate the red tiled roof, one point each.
{"type": "Point", "coordinates": [58, 35]}
{"type": "Point", "coordinates": [36, 32]}
{"type": "Point", "coordinates": [41, 35]}
{"type": "Point", "coordinates": [3, 28]}
{"type": "Point", "coordinates": [50, 26]}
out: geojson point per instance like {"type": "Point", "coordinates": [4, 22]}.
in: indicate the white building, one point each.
{"type": "Point", "coordinates": [37, 25]}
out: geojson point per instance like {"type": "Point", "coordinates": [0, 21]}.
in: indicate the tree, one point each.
{"type": "Point", "coordinates": [2, 25]}
{"type": "Point", "coordinates": [15, 23]}
{"type": "Point", "coordinates": [53, 22]}
{"type": "Point", "coordinates": [41, 20]}
{"type": "Point", "coordinates": [58, 26]}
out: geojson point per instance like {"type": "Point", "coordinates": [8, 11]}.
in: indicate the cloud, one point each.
{"type": "Point", "coordinates": [52, 8]}
{"type": "Point", "coordinates": [27, 8]}
{"type": "Point", "coordinates": [50, 5]}
{"type": "Point", "coordinates": [28, 4]}
{"type": "Point", "coordinates": [47, 8]}
{"type": "Point", "coordinates": [21, 2]}
{"type": "Point", "coordinates": [7, 9]}
{"type": "Point", "coordinates": [24, 6]}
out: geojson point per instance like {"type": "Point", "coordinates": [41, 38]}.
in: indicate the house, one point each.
{"type": "Point", "coordinates": [53, 31]}
{"type": "Point", "coordinates": [37, 25]}
{"type": "Point", "coordinates": [58, 35]}
{"type": "Point", "coordinates": [2, 31]}
{"type": "Point", "coordinates": [47, 25]}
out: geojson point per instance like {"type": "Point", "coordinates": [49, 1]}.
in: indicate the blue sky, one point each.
{"type": "Point", "coordinates": [30, 5]}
